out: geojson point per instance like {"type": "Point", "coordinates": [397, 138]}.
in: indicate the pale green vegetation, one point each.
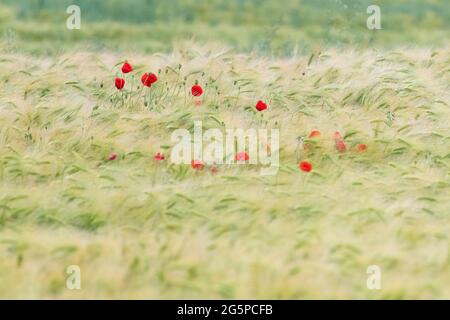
{"type": "Point", "coordinates": [266, 26]}
{"type": "Point", "coordinates": [139, 228]}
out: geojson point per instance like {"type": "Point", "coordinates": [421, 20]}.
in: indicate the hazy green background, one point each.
{"type": "Point", "coordinates": [273, 26]}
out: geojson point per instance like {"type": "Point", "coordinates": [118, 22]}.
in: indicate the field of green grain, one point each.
{"type": "Point", "coordinates": [147, 229]}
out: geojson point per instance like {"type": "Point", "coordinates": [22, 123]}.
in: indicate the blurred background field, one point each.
{"type": "Point", "coordinates": [270, 27]}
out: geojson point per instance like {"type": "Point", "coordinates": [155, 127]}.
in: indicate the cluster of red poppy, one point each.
{"type": "Point", "coordinates": [148, 79]}
{"type": "Point", "coordinates": [339, 143]}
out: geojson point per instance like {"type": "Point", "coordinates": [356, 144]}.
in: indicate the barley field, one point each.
{"type": "Point", "coordinates": [80, 182]}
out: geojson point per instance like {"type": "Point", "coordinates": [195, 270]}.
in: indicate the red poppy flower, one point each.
{"type": "Point", "coordinates": [197, 164]}
{"type": "Point", "coordinates": [339, 142]}
{"type": "Point", "coordinates": [260, 106]}
{"type": "Point", "coordinates": [159, 156]}
{"type": "Point", "coordinates": [305, 166]}
{"type": "Point", "coordinates": [340, 145]}
{"type": "Point", "coordinates": [126, 68]}
{"type": "Point", "coordinates": [196, 90]}
{"type": "Point", "coordinates": [112, 156]}
{"type": "Point", "coordinates": [148, 79]}
{"type": "Point", "coordinates": [314, 134]}
{"type": "Point", "coordinates": [120, 83]}
{"type": "Point", "coordinates": [362, 147]}
{"type": "Point", "coordinates": [242, 156]}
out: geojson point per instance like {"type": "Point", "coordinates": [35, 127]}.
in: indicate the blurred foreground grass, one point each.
{"type": "Point", "coordinates": [269, 27]}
